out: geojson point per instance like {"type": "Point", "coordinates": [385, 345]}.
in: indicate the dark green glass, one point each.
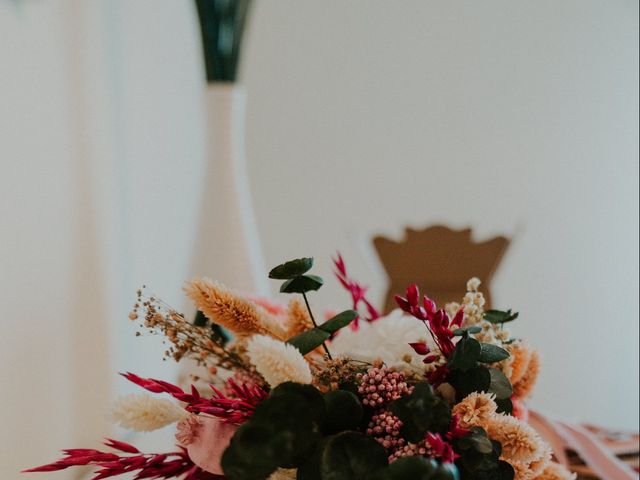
{"type": "Point", "coordinates": [222, 24]}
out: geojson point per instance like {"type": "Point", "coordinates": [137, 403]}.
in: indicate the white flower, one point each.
{"type": "Point", "coordinates": [144, 413]}
{"type": "Point", "coordinates": [386, 338]}
{"type": "Point", "coordinates": [473, 284]}
{"type": "Point", "coordinates": [278, 362]}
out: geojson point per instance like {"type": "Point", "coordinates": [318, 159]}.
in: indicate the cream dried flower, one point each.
{"type": "Point", "coordinates": [283, 474]}
{"type": "Point", "coordinates": [476, 409]}
{"type": "Point", "coordinates": [555, 471]}
{"type": "Point", "coordinates": [387, 339]}
{"type": "Point", "coordinates": [145, 413]}
{"type": "Point", "coordinates": [473, 284]}
{"type": "Point", "coordinates": [520, 442]}
{"type": "Point", "coordinates": [277, 361]}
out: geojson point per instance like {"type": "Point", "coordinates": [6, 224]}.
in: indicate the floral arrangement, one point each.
{"type": "Point", "coordinates": [422, 393]}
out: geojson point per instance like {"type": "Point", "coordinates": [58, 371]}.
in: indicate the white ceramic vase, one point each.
{"type": "Point", "coordinates": [227, 245]}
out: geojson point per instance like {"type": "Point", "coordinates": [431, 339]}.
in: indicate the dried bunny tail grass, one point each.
{"type": "Point", "coordinates": [555, 471]}
{"type": "Point", "coordinates": [520, 356]}
{"type": "Point", "coordinates": [278, 362]}
{"type": "Point", "coordinates": [523, 387]}
{"type": "Point", "coordinates": [298, 319]}
{"type": "Point", "coordinates": [144, 413]}
{"type": "Point", "coordinates": [225, 308]}
{"type": "Point", "coordinates": [520, 442]}
{"type": "Point", "coordinates": [475, 410]}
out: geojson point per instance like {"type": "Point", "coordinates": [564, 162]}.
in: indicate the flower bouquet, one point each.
{"type": "Point", "coordinates": [422, 393]}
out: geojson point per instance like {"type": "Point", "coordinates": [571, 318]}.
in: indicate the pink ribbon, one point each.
{"type": "Point", "coordinates": [562, 436]}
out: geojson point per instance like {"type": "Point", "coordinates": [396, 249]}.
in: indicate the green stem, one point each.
{"type": "Point", "coordinates": [306, 302]}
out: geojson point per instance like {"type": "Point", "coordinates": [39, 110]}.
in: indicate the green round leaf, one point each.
{"type": "Point", "coordinates": [414, 468]}
{"type": "Point", "coordinates": [339, 321]}
{"type": "Point", "coordinates": [249, 456]}
{"type": "Point", "coordinates": [492, 353]}
{"type": "Point", "coordinates": [302, 284]}
{"type": "Point", "coordinates": [309, 340]}
{"type": "Point", "coordinates": [351, 456]}
{"type": "Point", "coordinates": [498, 316]}
{"type": "Point", "coordinates": [344, 411]}
{"type": "Point", "coordinates": [465, 355]}
{"type": "Point", "coordinates": [500, 385]}
{"type": "Point", "coordinates": [477, 379]}
{"type": "Point", "coordinates": [504, 406]}
{"type": "Point", "coordinates": [445, 471]}
{"type": "Point", "coordinates": [310, 395]}
{"type": "Point", "coordinates": [468, 329]}
{"type": "Point", "coordinates": [291, 269]}
{"type": "Point", "coordinates": [421, 411]}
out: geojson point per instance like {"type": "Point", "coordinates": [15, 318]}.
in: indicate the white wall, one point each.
{"type": "Point", "coordinates": [517, 118]}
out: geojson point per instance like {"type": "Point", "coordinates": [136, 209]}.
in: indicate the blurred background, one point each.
{"type": "Point", "coordinates": [363, 118]}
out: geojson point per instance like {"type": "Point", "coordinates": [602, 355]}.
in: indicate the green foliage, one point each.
{"type": "Point", "coordinates": [422, 411]}
{"type": "Point", "coordinates": [417, 468]}
{"type": "Point", "coordinates": [294, 272]}
{"type": "Point", "coordinates": [339, 321]}
{"type": "Point", "coordinates": [468, 329]}
{"type": "Point", "coordinates": [466, 354]}
{"type": "Point", "coordinates": [492, 353]}
{"type": "Point", "coordinates": [498, 316]}
{"type": "Point", "coordinates": [297, 426]}
{"type": "Point", "coordinates": [351, 456]}
{"type": "Point", "coordinates": [344, 411]}
{"type": "Point", "coordinates": [302, 284]}
{"type": "Point", "coordinates": [480, 458]}
{"type": "Point", "coordinates": [312, 339]}
{"type": "Point", "coordinates": [480, 379]}
{"type": "Point", "coordinates": [309, 340]}
{"type": "Point", "coordinates": [291, 269]}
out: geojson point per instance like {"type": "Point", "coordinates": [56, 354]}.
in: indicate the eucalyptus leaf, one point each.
{"type": "Point", "coordinates": [302, 284]}
{"type": "Point", "coordinates": [351, 456]}
{"type": "Point", "coordinates": [492, 353]}
{"type": "Point", "coordinates": [420, 412]}
{"type": "Point", "coordinates": [478, 379]}
{"type": "Point", "coordinates": [465, 355]}
{"type": "Point", "coordinates": [498, 316]}
{"type": "Point", "coordinates": [414, 468]}
{"type": "Point", "coordinates": [308, 341]}
{"type": "Point", "coordinates": [291, 269]}
{"type": "Point", "coordinates": [468, 329]}
{"type": "Point", "coordinates": [500, 384]}
{"type": "Point", "coordinates": [344, 411]}
{"type": "Point", "coordinates": [504, 406]}
{"type": "Point", "coordinates": [339, 321]}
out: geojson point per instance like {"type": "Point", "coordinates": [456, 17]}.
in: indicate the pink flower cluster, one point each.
{"type": "Point", "coordinates": [380, 385]}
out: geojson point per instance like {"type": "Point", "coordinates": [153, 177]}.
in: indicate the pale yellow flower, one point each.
{"type": "Point", "coordinates": [145, 413]}
{"type": "Point", "coordinates": [476, 409]}
{"type": "Point", "coordinates": [278, 362]}
{"type": "Point", "coordinates": [555, 471]}
{"type": "Point", "coordinates": [520, 442]}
